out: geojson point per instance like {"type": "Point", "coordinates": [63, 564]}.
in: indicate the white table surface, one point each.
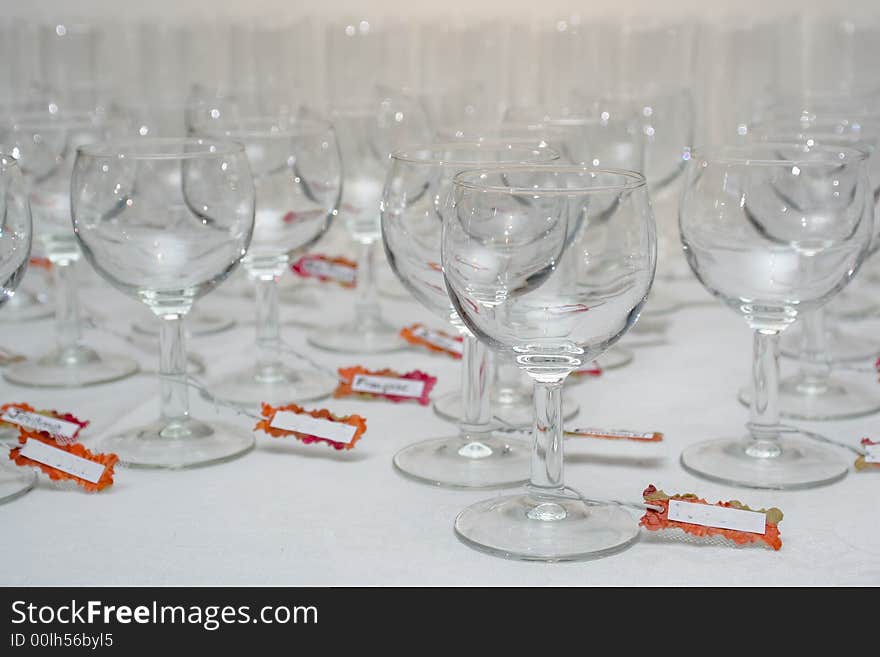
{"type": "Point", "coordinates": [292, 514]}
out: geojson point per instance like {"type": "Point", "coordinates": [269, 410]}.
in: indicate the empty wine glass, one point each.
{"type": "Point", "coordinates": [416, 186]}
{"type": "Point", "coordinates": [158, 118]}
{"type": "Point", "coordinates": [609, 141]}
{"type": "Point", "coordinates": [31, 302]}
{"type": "Point", "coordinates": [298, 181]}
{"type": "Point", "coordinates": [15, 250]}
{"type": "Point", "coordinates": [819, 391]}
{"type": "Point", "coordinates": [165, 221]}
{"type": "Point", "coordinates": [666, 115]}
{"type": "Point", "coordinates": [45, 144]}
{"type": "Point", "coordinates": [508, 241]}
{"type": "Point", "coordinates": [367, 135]}
{"type": "Point", "coordinates": [773, 230]}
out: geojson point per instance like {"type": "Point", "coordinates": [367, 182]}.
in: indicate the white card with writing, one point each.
{"type": "Point", "coordinates": [335, 271]}
{"type": "Point", "coordinates": [439, 340]}
{"type": "Point", "coordinates": [64, 461]}
{"type": "Point", "coordinates": [313, 426]}
{"type": "Point", "coordinates": [35, 422]}
{"type": "Point", "coordinates": [718, 516]}
{"type": "Point", "coordinates": [387, 385]}
{"type": "Point", "coordinates": [614, 433]}
{"type": "Point", "coordinates": [872, 453]}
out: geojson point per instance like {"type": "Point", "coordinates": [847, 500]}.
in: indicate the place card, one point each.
{"type": "Point", "coordinates": [731, 520]}
{"type": "Point", "coordinates": [64, 428]}
{"type": "Point", "coordinates": [593, 369]}
{"type": "Point", "coordinates": [327, 269]}
{"type": "Point", "coordinates": [312, 426]}
{"type": "Point", "coordinates": [870, 460]}
{"type": "Point", "coordinates": [71, 462]}
{"type": "Point", "coordinates": [615, 434]}
{"type": "Point", "coordinates": [385, 384]}
{"type": "Point", "coordinates": [433, 340]}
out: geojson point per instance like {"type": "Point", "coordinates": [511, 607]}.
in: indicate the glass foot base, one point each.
{"type": "Point", "coordinates": [802, 462]}
{"type": "Point", "coordinates": [524, 527]}
{"type": "Point", "coordinates": [511, 409]}
{"type": "Point", "coordinates": [15, 482]}
{"type": "Point", "coordinates": [84, 367]}
{"type": "Point", "coordinates": [25, 307]}
{"type": "Point", "coordinates": [841, 345]}
{"type": "Point", "coordinates": [246, 388]}
{"type": "Point", "coordinates": [186, 445]}
{"type": "Point", "coordinates": [614, 358]}
{"type": "Point", "coordinates": [358, 338]}
{"type": "Point", "coordinates": [196, 323]}
{"type": "Point", "coordinates": [837, 398]}
{"type": "Point", "coordinates": [492, 462]}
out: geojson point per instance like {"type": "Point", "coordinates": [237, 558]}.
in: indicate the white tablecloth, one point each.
{"type": "Point", "coordinates": [291, 514]}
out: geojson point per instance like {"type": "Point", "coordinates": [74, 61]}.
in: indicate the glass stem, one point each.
{"type": "Point", "coordinates": [67, 326]}
{"type": "Point", "coordinates": [813, 355]}
{"type": "Point", "coordinates": [764, 415]}
{"type": "Point", "coordinates": [367, 304]}
{"type": "Point", "coordinates": [268, 329]}
{"type": "Point", "coordinates": [548, 450]}
{"type": "Point", "coordinates": [508, 386]}
{"type": "Point", "coordinates": [172, 375]}
{"type": "Point", "coordinates": [476, 420]}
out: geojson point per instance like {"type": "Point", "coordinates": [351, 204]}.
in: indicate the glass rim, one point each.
{"type": "Point", "coordinates": [310, 127]}
{"type": "Point", "coordinates": [407, 154]}
{"type": "Point", "coordinates": [161, 148]}
{"type": "Point", "coordinates": [581, 117]}
{"type": "Point", "coordinates": [819, 123]}
{"type": "Point", "coordinates": [714, 153]}
{"type": "Point", "coordinates": [848, 140]}
{"type": "Point", "coordinates": [59, 121]}
{"type": "Point", "coordinates": [631, 180]}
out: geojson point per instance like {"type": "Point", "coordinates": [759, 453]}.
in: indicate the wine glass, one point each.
{"type": "Point", "coordinates": [773, 230]}
{"type": "Point", "coordinates": [15, 250]}
{"type": "Point", "coordinates": [609, 141]}
{"type": "Point", "coordinates": [597, 138]}
{"type": "Point", "coordinates": [165, 221]}
{"type": "Point", "coordinates": [412, 203]}
{"type": "Point", "coordinates": [298, 182]}
{"type": "Point", "coordinates": [817, 392]}
{"type": "Point", "coordinates": [31, 300]}
{"type": "Point", "coordinates": [45, 144]}
{"type": "Point", "coordinates": [367, 135]}
{"type": "Point", "coordinates": [666, 115]}
{"type": "Point", "coordinates": [166, 118]}
{"type": "Point", "coordinates": [509, 237]}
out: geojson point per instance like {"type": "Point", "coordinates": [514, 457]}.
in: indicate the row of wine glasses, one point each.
{"type": "Point", "coordinates": [771, 229]}
{"type": "Point", "coordinates": [544, 261]}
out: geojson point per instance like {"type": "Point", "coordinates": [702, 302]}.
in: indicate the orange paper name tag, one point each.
{"type": "Point", "coordinates": [616, 434]}
{"type": "Point", "coordinates": [42, 263]}
{"type": "Point", "coordinates": [871, 458]}
{"type": "Point", "coordinates": [436, 341]}
{"type": "Point", "coordinates": [385, 384]}
{"type": "Point", "coordinates": [48, 442]}
{"type": "Point", "coordinates": [695, 516]}
{"type": "Point", "coordinates": [93, 472]}
{"type": "Point", "coordinates": [63, 428]}
{"type": "Point", "coordinates": [312, 426]}
{"type": "Point", "coordinates": [341, 271]}
{"type": "Point", "coordinates": [591, 370]}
